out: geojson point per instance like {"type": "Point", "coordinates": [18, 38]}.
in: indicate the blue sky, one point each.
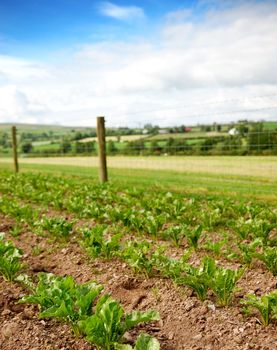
{"type": "Point", "coordinates": [165, 62]}
{"type": "Point", "coordinates": [38, 26]}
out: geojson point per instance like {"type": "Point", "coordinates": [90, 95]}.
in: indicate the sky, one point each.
{"type": "Point", "coordinates": [136, 62]}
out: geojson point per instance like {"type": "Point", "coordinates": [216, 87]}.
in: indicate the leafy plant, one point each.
{"type": "Point", "coordinates": [175, 233]}
{"type": "Point", "coordinates": [107, 325]}
{"type": "Point", "coordinates": [223, 284]}
{"type": "Point", "coordinates": [59, 227]}
{"type": "Point", "coordinates": [10, 265]}
{"type": "Point", "coordinates": [144, 342]}
{"type": "Point", "coordinates": [98, 245]}
{"type": "Point", "coordinates": [266, 305]}
{"type": "Point", "coordinates": [153, 224]}
{"type": "Point", "coordinates": [138, 256]}
{"type": "Point", "coordinates": [63, 298]}
{"type": "Point", "coordinates": [248, 251]}
{"type": "Point", "coordinates": [215, 247]}
{"type": "Point", "coordinates": [269, 258]}
{"type": "Point", "coordinates": [198, 279]}
{"type": "Point", "coordinates": [193, 236]}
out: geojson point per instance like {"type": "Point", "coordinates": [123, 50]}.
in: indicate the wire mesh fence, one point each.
{"type": "Point", "coordinates": [195, 151]}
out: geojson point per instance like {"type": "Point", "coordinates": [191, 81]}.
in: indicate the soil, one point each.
{"type": "Point", "coordinates": [186, 323]}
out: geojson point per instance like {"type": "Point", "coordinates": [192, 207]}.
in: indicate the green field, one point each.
{"type": "Point", "coordinates": [100, 259]}
{"type": "Point", "coordinates": [246, 176]}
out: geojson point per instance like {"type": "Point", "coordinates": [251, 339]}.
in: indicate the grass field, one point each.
{"type": "Point", "coordinates": [188, 135]}
{"type": "Point", "coordinates": [247, 176]}
{"type": "Point", "coordinates": [115, 138]}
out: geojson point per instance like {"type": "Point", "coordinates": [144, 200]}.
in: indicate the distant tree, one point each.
{"type": "Point", "coordinates": [111, 147]}
{"type": "Point", "coordinates": [65, 146]}
{"type": "Point", "coordinates": [26, 147]}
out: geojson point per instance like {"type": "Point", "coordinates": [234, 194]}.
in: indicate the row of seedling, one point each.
{"type": "Point", "coordinates": [60, 228]}
{"type": "Point", "coordinates": [98, 317]}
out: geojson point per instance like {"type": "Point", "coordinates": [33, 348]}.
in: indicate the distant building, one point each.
{"type": "Point", "coordinates": [163, 131]}
{"type": "Point", "coordinates": [233, 132]}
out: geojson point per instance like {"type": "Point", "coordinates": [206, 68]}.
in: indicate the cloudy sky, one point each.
{"type": "Point", "coordinates": [136, 62]}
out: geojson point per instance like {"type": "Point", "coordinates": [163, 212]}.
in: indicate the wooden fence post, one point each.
{"type": "Point", "coordinates": [102, 149]}
{"type": "Point", "coordinates": [14, 143]}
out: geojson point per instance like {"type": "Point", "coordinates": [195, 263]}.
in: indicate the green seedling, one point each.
{"type": "Point", "coordinates": [97, 244]}
{"type": "Point", "coordinates": [106, 327]}
{"type": "Point", "coordinates": [269, 258]}
{"type": "Point", "coordinates": [59, 227]}
{"type": "Point", "coordinates": [266, 305]}
{"type": "Point", "coordinates": [193, 236]}
{"type": "Point", "coordinates": [223, 284]}
{"type": "Point", "coordinates": [198, 279]}
{"type": "Point", "coordinates": [63, 298]}
{"type": "Point", "coordinates": [174, 233]}
{"type": "Point", "coordinates": [10, 256]}
{"type": "Point", "coordinates": [144, 342]}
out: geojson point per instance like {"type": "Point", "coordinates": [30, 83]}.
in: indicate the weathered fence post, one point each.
{"type": "Point", "coordinates": [14, 143]}
{"type": "Point", "coordinates": [102, 149]}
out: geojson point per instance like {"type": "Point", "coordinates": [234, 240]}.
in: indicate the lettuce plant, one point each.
{"type": "Point", "coordinates": [106, 327]}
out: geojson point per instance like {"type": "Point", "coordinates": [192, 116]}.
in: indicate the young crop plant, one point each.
{"type": "Point", "coordinates": [141, 257]}
{"type": "Point", "coordinates": [223, 284]}
{"type": "Point", "coordinates": [215, 247]}
{"type": "Point", "coordinates": [174, 233]}
{"type": "Point", "coordinates": [198, 279]}
{"type": "Point", "coordinates": [144, 342]}
{"type": "Point", "coordinates": [59, 227]}
{"type": "Point", "coordinates": [153, 224]}
{"type": "Point", "coordinates": [10, 256]}
{"type": "Point", "coordinates": [243, 228]}
{"type": "Point", "coordinates": [193, 236]}
{"type": "Point", "coordinates": [269, 258]}
{"type": "Point", "coordinates": [97, 244]}
{"type": "Point", "coordinates": [211, 218]}
{"type": "Point", "coordinates": [248, 251]}
{"type": "Point", "coordinates": [266, 305]}
{"type": "Point", "coordinates": [174, 268]}
{"type": "Point", "coordinates": [63, 298]}
{"type": "Point", "coordinates": [210, 276]}
{"type": "Point", "coordinates": [130, 218]}
{"type": "Point", "coordinates": [107, 326]}
{"type": "Point", "coordinates": [262, 229]}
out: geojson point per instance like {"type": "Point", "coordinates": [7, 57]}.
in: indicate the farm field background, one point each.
{"type": "Point", "coordinates": [248, 176]}
{"type": "Point", "coordinates": [144, 244]}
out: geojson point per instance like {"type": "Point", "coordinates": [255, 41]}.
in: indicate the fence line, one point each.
{"type": "Point", "coordinates": [160, 152]}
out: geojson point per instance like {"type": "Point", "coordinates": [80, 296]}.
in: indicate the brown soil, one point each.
{"type": "Point", "coordinates": [186, 323]}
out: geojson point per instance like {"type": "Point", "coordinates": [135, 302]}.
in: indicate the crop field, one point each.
{"type": "Point", "coordinates": [118, 266]}
{"type": "Point", "coordinates": [259, 166]}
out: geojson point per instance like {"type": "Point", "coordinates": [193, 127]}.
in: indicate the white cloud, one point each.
{"type": "Point", "coordinates": [124, 13]}
{"type": "Point", "coordinates": [178, 77]}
